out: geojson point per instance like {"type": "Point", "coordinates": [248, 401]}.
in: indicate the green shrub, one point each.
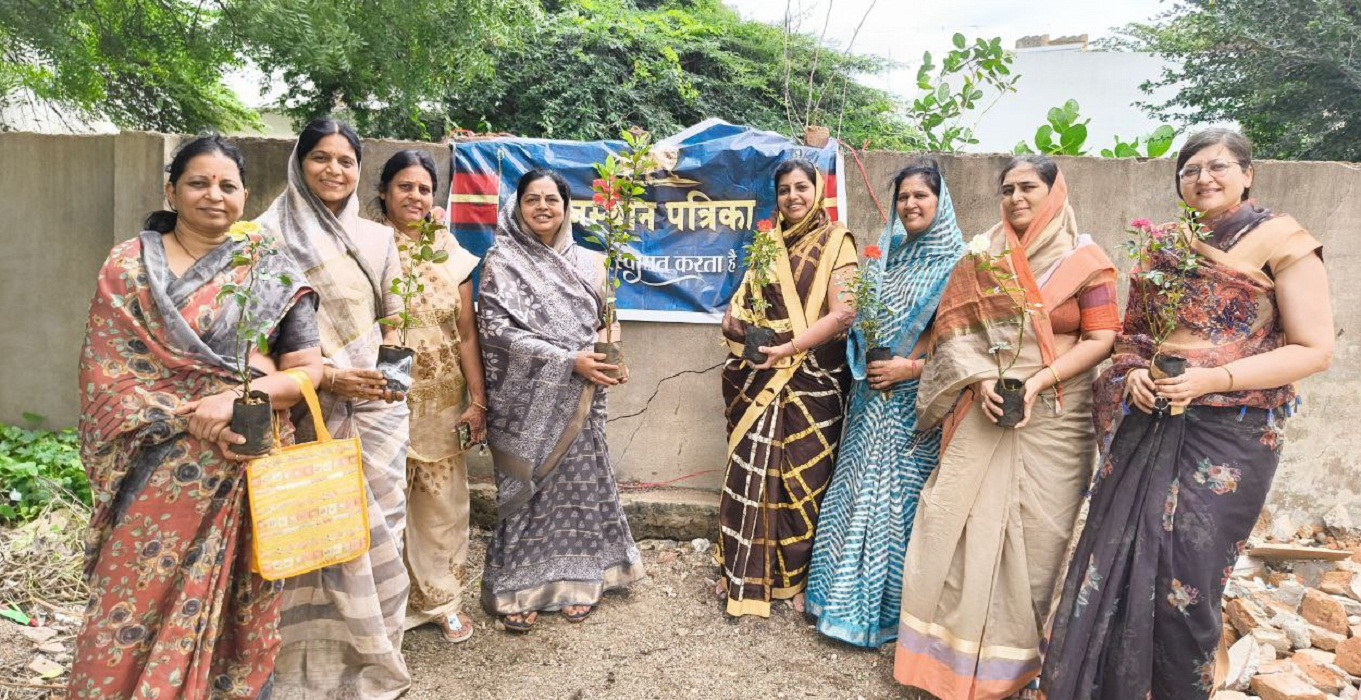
{"type": "Point", "coordinates": [37, 467]}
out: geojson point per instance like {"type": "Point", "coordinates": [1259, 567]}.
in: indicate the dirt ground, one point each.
{"type": "Point", "coordinates": [666, 638]}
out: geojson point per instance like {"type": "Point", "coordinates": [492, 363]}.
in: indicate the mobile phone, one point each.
{"type": "Point", "coordinates": [465, 437]}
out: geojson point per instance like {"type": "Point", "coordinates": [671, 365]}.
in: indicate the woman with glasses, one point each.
{"type": "Point", "coordinates": [1178, 493]}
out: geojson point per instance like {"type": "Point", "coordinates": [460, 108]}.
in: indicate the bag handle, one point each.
{"type": "Point", "coordinates": [309, 394]}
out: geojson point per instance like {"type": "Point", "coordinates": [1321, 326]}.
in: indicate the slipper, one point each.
{"type": "Point", "coordinates": [524, 624]}
{"type": "Point", "coordinates": [578, 617]}
{"type": "Point", "coordinates": [454, 629]}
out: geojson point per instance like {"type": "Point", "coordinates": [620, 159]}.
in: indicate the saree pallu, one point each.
{"type": "Point", "coordinates": [993, 525]}
{"type": "Point", "coordinates": [342, 625]}
{"type": "Point", "coordinates": [561, 537]}
{"type": "Point", "coordinates": [175, 611]}
{"type": "Point", "coordinates": [784, 425]}
{"type": "Point", "coordinates": [1176, 497]}
{"type": "Point", "coordinates": [436, 551]}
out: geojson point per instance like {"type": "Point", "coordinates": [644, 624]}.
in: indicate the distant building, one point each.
{"type": "Point", "coordinates": [1052, 71]}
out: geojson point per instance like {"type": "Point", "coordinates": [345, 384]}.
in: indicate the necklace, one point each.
{"type": "Point", "coordinates": [175, 233]}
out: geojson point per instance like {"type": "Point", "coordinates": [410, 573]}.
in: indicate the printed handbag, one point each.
{"type": "Point", "coordinates": [308, 504]}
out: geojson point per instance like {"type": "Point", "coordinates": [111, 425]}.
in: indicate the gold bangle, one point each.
{"type": "Point", "coordinates": [1230, 373]}
{"type": "Point", "coordinates": [332, 386]}
{"type": "Point", "coordinates": [1057, 381]}
{"type": "Point", "coordinates": [794, 347]}
{"type": "Point", "coordinates": [475, 403]}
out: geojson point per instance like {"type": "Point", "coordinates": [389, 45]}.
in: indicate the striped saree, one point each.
{"type": "Point", "coordinates": [856, 577]}
{"type": "Point", "coordinates": [342, 625]}
{"type": "Point", "coordinates": [784, 424]}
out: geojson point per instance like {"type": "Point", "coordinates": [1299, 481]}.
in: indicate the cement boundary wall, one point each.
{"type": "Point", "coordinates": [64, 200]}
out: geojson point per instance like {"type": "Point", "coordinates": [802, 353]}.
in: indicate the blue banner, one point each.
{"type": "Point", "coordinates": [701, 208]}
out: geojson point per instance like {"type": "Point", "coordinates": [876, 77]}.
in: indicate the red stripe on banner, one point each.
{"type": "Point", "coordinates": [829, 186]}
{"type": "Point", "coordinates": [473, 215]}
{"type": "Point", "coordinates": [476, 183]}
{"type": "Point", "coordinates": [832, 213]}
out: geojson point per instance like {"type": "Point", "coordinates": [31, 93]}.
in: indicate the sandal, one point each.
{"type": "Point", "coordinates": [456, 628]}
{"type": "Point", "coordinates": [522, 625]}
{"type": "Point", "coordinates": [580, 616]}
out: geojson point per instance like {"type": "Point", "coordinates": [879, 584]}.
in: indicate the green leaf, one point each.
{"type": "Point", "coordinates": [1044, 139]}
{"type": "Point", "coordinates": [1160, 141]}
{"type": "Point", "coordinates": [959, 41]}
{"type": "Point", "coordinates": [440, 256]}
{"type": "Point", "coordinates": [262, 344]}
{"type": "Point", "coordinates": [1072, 139]}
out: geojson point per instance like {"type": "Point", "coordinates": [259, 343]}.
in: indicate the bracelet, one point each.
{"type": "Point", "coordinates": [795, 347]}
{"type": "Point", "coordinates": [332, 386]}
{"type": "Point", "coordinates": [475, 403]}
{"type": "Point", "coordinates": [1053, 372]}
{"type": "Point", "coordinates": [1230, 373]}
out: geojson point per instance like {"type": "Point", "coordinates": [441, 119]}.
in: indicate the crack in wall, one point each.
{"type": "Point", "coordinates": [655, 391]}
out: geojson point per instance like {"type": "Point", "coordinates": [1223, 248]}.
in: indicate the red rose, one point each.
{"type": "Point", "coordinates": [873, 252]}
{"type": "Point", "coordinates": [765, 225]}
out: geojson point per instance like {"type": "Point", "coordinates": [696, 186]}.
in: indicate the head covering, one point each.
{"type": "Point", "coordinates": [910, 275]}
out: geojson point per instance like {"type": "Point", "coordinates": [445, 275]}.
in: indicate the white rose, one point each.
{"type": "Point", "coordinates": [979, 244]}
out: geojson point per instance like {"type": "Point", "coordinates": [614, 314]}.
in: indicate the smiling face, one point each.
{"type": "Point", "coordinates": [209, 195]}
{"type": "Point", "coordinates": [543, 210]}
{"type": "Point", "coordinates": [408, 197]}
{"type": "Point", "coordinates": [916, 204]}
{"type": "Point", "coordinates": [1024, 192]}
{"type": "Point", "coordinates": [794, 195]}
{"type": "Point", "coordinates": [1213, 180]}
{"type": "Point", "coordinates": [331, 171]}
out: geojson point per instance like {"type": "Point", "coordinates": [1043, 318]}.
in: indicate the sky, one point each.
{"type": "Point", "coordinates": [902, 29]}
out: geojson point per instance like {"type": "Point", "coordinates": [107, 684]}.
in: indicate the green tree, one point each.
{"type": "Point", "coordinates": [1288, 72]}
{"type": "Point", "coordinates": [590, 68]}
{"type": "Point", "coordinates": [142, 64]}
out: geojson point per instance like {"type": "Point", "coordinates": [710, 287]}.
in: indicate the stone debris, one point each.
{"type": "Point", "coordinates": [1293, 630]}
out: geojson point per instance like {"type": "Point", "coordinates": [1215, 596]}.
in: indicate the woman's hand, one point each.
{"type": "Point", "coordinates": [1033, 387]}
{"type": "Point", "coordinates": [210, 419]}
{"type": "Point", "coordinates": [592, 367]}
{"type": "Point", "coordinates": [362, 384]}
{"type": "Point", "coordinates": [883, 374]}
{"type": "Point", "coordinates": [1194, 382]}
{"type": "Point", "coordinates": [1140, 390]}
{"type": "Point", "coordinates": [475, 417]}
{"type": "Point", "coordinates": [988, 399]}
{"type": "Point", "coordinates": [774, 354]}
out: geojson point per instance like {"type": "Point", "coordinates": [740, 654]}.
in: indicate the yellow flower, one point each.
{"type": "Point", "coordinates": [243, 230]}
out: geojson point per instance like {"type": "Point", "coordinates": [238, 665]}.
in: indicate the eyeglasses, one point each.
{"type": "Point", "coordinates": [1217, 169]}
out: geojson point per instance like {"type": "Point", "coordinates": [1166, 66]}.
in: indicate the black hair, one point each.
{"type": "Point", "coordinates": [925, 168]}
{"type": "Point", "coordinates": [541, 174]}
{"type": "Point", "coordinates": [1044, 166]}
{"type": "Point", "coordinates": [318, 129]}
{"type": "Point", "coordinates": [401, 160]}
{"type": "Point", "coordinates": [789, 166]}
{"type": "Point", "coordinates": [164, 221]}
{"type": "Point", "coordinates": [1238, 145]}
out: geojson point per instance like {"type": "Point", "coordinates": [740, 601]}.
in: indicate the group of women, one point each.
{"type": "Point", "coordinates": [176, 610]}
{"type": "Point", "coordinates": [880, 497]}
{"type": "Point", "coordinates": [884, 498]}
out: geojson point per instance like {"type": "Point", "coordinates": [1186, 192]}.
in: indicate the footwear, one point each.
{"type": "Point", "coordinates": [579, 616]}
{"type": "Point", "coordinates": [524, 624]}
{"type": "Point", "coordinates": [456, 628]}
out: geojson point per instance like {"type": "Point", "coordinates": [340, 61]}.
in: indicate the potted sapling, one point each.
{"type": "Point", "coordinates": [619, 190]}
{"type": "Point", "coordinates": [1011, 390]}
{"type": "Point", "coordinates": [396, 361]}
{"type": "Point", "coordinates": [252, 412]}
{"type": "Point", "coordinates": [761, 254]}
{"type": "Point", "coordinates": [870, 310]}
{"type": "Point", "coordinates": [1164, 258]}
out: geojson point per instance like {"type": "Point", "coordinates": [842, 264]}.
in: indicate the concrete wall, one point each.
{"type": "Point", "coordinates": [65, 199]}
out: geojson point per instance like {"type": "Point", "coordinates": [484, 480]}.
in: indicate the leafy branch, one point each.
{"type": "Point", "coordinates": [619, 189]}
{"type": "Point", "coordinates": [421, 251]}
{"type": "Point", "coordinates": [252, 333]}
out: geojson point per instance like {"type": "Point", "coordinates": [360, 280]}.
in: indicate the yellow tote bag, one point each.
{"type": "Point", "coordinates": [308, 505]}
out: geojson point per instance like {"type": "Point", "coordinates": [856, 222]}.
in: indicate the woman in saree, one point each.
{"type": "Point", "coordinates": [856, 577]}
{"type": "Point", "coordinates": [175, 610]}
{"type": "Point", "coordinates": [446, 392]}
{"type": "Point", "coordinates": [995, 519]}
{"type": "Point", "coordinates": [342, 625]}
{"type": "Point", "coordinates": [561, 539]}
{"type": "Point", "coordinates": [784, 415]}
{"type": "Point", "coordinates": [1177, 494]}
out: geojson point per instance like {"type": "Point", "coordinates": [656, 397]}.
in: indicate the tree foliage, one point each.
{"type": "Point", "coordinates": [139, 63]}
{"type": "Point", "coordinates": [593, 67]}
{"type": "Point", "coordinates": [1288, 72]}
